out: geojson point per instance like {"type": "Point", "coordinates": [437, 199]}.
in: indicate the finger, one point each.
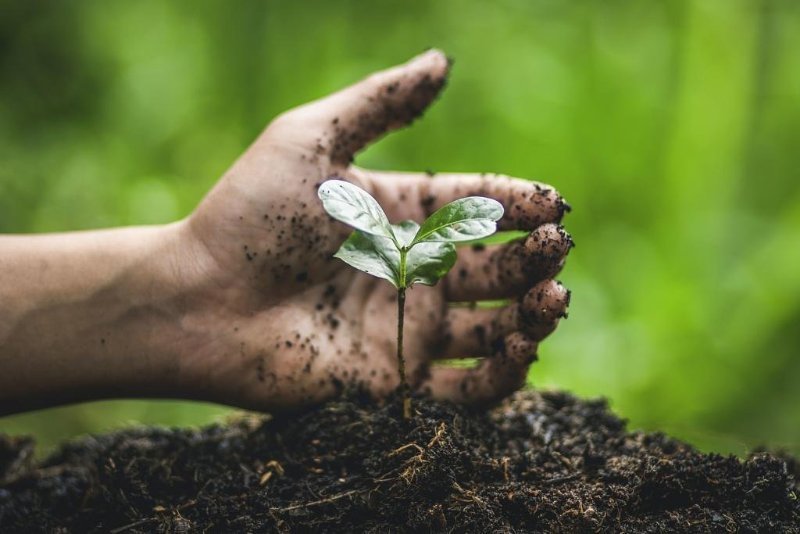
{"type": "Point", "coordinates": [539, 311]}
{"type": "Point", "coordinates": [344, 122]}
{"type": "Point", "coordinates": [470, 332]}
{"type": "Point", "coordinates": [494, 378]}
{"type": "Point", "coordinates": [502, 271]}
{"type": "Point", "coordinates": [527, 204]}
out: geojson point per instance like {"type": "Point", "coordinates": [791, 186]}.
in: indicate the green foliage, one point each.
{"type": "Point", "coordinates": [405, 253]}
{"type": "Point", "coordinates": [671, 127]}
{"type": "Point", "coordinates": [379, 256]}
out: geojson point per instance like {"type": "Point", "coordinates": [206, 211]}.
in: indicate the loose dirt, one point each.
{"type": "Point", "coordinates": [540, 462]}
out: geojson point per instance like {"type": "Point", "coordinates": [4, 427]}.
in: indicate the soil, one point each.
{"type": "Point", "coordinates": [540, 462]}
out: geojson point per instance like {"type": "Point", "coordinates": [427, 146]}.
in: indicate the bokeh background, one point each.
{"type": "Point", "coordinates": [672, 127]}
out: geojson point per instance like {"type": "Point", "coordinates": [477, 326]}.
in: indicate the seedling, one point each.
{"type": "Point", "coordinates": [406, 253]}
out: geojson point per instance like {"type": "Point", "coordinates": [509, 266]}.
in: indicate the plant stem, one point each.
{"type": "Point", "coordinates": [401, 362]}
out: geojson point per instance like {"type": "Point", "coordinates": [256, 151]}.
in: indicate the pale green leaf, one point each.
{"type": "Point", "coordinates": [461, 220]}
{"type": "Point", "coordinates": [352, 205]}
{"type": "Point", "coordinates": [429, 261]}
{"type": "Point", "coordinates": [374, 255]}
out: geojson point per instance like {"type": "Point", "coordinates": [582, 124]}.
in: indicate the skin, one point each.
{"type": "Point", "coordinates": [242, 303]}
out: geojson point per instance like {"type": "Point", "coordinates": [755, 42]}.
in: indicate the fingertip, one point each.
{"type": "Point", "coordinates": [542, 307]}
{"type": "Point", "coordinates": [547, 248]}
{"type": "Point", "coordinates": [434, 60]}
{"type": "Point", "coordinates": [546, 301]}
{"type": "Point", "coordinates": [531, 205]}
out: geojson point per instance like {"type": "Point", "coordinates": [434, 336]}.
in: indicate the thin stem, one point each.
{"type": "Point", "coordinates": [401, 362]}
{"type": "Point", "coordinates": [403, 254]}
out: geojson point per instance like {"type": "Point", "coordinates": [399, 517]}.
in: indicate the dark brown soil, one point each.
{"type": "Point", "coordinates": [539, 463]}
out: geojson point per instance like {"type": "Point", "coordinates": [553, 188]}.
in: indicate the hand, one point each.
{"type": "Point", "coordinates": [243, 303]}
{"type": "Point", "coordinates": [276, 322]}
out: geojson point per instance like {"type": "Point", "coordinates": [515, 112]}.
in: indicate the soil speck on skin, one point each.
{"type": "Point", "coordinates": [540, 462]}
{"type": "Point", "coordinates": [332, 321]}
{"type": "Point", "coordinates": [427, 202]}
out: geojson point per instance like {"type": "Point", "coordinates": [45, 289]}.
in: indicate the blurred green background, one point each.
{"type": "Point", "coordinates": [672, 127]}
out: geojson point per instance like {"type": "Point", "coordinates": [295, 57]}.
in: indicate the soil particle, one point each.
{"type": "Point", "coordinates": [427, 202]}
{"type": "Point", "coordinates": [332, 321]}
{"type": "Point", "coordinates": [540, 462]}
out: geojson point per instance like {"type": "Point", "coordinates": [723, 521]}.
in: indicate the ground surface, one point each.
{"type": "Point", "coordinates": [540, 462]}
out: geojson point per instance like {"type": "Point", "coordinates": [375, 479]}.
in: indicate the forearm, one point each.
{"type": "Point", "coordinates": [88, 315]}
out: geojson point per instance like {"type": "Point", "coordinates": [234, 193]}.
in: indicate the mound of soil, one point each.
{"type": "Point", "coordinates": [540, 462]}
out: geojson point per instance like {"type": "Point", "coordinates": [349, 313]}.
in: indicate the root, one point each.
{"type": "Point", "coordinates": [413, 464]}
{"type": "Point", "coordinates": [273, 467]}
{"type": "Point", "coordinates": [327, 500]}
{"type": "Point", "coordinates": [467, 495]}
{"type": "Point", "coordinates": [406, 447]}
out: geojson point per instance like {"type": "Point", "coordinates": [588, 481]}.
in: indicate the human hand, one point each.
{"type": "Point", "coordinates": [280, 323]}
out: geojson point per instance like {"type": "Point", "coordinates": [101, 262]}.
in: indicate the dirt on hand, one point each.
{"type": "Point", "coordinates": [540, 462]}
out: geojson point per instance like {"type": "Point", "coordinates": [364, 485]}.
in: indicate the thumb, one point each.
{"type": "Point", "coordinates": [346, 121]}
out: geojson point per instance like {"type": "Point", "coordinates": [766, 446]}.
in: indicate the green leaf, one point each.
{"type": "Point", "coordinates": [371, 254]}
{"type": "Point", "coordinates": [429, 261]}
{"type": "Point", "coordinates": [461, 220]}
{"type": "Point", "coordinates": [352, 205]}
{"type": "Point", "coordinates": [405, 232]}
{"type": "Point", "coordinates": [426, 262]}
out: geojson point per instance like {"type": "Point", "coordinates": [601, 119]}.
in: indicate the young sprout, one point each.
{"type": "Point", "coordinates": [405, 253]}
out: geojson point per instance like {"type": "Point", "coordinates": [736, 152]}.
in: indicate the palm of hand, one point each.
{"type": "Point", "coordinates": [300, 325]}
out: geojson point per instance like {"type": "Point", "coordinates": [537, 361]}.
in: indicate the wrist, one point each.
{"type": "Point", "coordinates": [92, 315]}
{"type": "Point", "coordinates": [170, 306]}
{"type": "Point", "coordinates": [202, 316]}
